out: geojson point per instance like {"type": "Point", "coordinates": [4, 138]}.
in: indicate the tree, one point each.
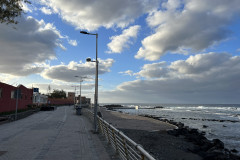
{"type": "Point", "coordinates": [10, 9]}
{"type": "Point", "coordinates": [58, 94]}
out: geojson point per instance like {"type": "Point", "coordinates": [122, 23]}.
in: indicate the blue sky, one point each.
{"type": "Point", "coordinates": [150, 51]}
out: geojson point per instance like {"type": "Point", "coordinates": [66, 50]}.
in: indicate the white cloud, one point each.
{"type": "Point", "coordinates": [120, 42]}
{"type": "Point", "coordinates": [203, 78]}
{"type": "Point", "coordinates": [191, 25]}
{"type": "Point", "coordinates": [72, 42]}
{"type": "Point", "coordinates": [128, 72]}
{"type": "Point", "coordinates": [154, 70]}
{"type": "Point", "coordinates": [25, 49]}
{"type": "Point", "coordinates": [201, 63]}
{"type": "Point", "coordinates": [67, 73]}
{"type": "Point", "coordinates": [67, 87]}
{"type": "Point", "coordinates": [46, 10]}
{"type": "Point", "coordinates": [25, 7]}
{"type": "Point", "coordinates": [91, 15]}
{"type": "Point", "coordinates": [6, 78]}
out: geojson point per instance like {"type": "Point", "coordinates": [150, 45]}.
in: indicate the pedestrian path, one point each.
{"type": "Point", "coordinates": [76, 141]}
{"type": "Point", "coordinates": [59, 134]}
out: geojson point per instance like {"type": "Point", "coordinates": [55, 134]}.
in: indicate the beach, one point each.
{"type": "Point", "coordinates": [165, 141]}
{"type": "Point", "coordinates": [152, 135]}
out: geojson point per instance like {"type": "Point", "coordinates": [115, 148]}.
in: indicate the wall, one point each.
{"type": "Point", "coordinates": [58, 101]}
{"type": "Point", "coordinates": [7, 100]}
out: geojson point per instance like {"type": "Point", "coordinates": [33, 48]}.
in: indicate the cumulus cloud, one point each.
{"type": "Point", "coordinates": [203, 78]}
{"type": "Point", "coordinates": [123, 41]}
{"type": "Point", "coordinates": [67, 72]}
{"type": "Point", "coordinates": [25, 49]}
{"type": "Point", "coordinates": [93, 14]}
{"type": "Point", "coordinates": [46, 10]}
{"type": "Point", "coordinates": [128, 72]}
{"type": "Point", "coordinates": [26, 7]}
{"type": "Point", "coordinates": [72, 42]}
{"type": "Point", "coordinates": [154, 70]}
{"type": "Point", "coordinates": [6, 78]}
{"type": "Point", "coordinates": [187, 26]}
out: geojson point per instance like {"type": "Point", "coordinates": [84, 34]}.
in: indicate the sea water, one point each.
{"type": "Point", "coordinates": [217, 121]}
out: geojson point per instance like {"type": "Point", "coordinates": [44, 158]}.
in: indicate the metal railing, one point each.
{"type": "Point", "coordinates": [123, 145]}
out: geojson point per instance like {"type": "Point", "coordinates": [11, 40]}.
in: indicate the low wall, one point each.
{"type": "Point", "coordinates": [55, 101]}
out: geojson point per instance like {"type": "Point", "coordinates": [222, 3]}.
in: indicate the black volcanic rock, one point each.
{"type": "Point", "coordinates": [112, 106]}
{"type": "Point", "coordinates": [208, 149]}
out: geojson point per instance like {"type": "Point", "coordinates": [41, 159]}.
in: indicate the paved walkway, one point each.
{"type": "Point", "coordinates": [49, 135]}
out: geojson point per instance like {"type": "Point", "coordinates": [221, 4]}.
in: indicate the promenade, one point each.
{"type": "Point", "coordinates": [59, 134]}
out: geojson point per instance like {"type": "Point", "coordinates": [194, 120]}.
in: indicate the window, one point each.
{"type": "Point", "coordinates": [0, 92]}
{"type": "Point", "coordinates": [12, 94]}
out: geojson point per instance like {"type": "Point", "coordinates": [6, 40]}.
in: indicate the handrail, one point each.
{"type": "Point", "coordinates": [123, 145]}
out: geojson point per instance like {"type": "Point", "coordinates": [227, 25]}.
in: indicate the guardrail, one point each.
{"type": "Point", "coordinates": [123, 145]}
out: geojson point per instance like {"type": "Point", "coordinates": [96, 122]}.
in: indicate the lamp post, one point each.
{"type": "Point", "coordinates": [75, 95]}
{"type": "Point", "coordinates": [96, 79]}
{"type": "Point", "coordinates": [80, 85]}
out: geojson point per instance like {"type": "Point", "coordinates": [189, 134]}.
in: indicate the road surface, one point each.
{"type": "Point", "coordinates": [49, 135]}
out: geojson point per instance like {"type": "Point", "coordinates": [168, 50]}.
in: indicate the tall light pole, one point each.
{"type": "Point", "coordinates": [96, 79]}
{"type": "Point", "coordinates": [80, 89]}
{"type": "Point", "coordinates": [75, 95]}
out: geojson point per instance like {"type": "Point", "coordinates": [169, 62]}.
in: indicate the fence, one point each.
{"type": "Point", "coordinates": [123, 145]}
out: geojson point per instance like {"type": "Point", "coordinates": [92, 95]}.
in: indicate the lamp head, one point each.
{"type": "Point", "coordinates": [88, 59]}
{"type": "Point", "coordinates": [84, 32]}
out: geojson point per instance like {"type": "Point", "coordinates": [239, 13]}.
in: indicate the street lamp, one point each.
{"type": "Point", "coordinates": [75, 95]}
{"type": "Point", "coordinates": [80, 100]}
{"type": "Point", "coordinates": [96, 79]}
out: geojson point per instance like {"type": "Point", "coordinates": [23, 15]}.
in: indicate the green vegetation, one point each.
{"type": "Point", "coordinates": [10, 9]}
{"type": "Point", "coordinates": [58, 94]}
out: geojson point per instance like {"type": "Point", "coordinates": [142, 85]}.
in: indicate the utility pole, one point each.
{"type": "Point", "coordinates": [16, 103]}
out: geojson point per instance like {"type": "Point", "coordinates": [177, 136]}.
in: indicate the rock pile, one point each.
{"type": "Point", "coordinates": [208, 149]}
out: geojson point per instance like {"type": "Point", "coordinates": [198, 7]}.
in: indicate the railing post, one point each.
{"type": "Point", "coordinates": [109, 141]}
{"type": "Point", "coordinates": [115, 141]}
{"type": "Point", "coordinates": [125, 147]}
{"type": "Point", "coordinates": [99, 125]}
{"type": "Point", "coordinates": [126, 143]}
{"type": "Point", "coordinates": [104, 129]}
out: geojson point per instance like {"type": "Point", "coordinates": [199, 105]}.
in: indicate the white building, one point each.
{"type": "Point", "coordinates": [39, 98]}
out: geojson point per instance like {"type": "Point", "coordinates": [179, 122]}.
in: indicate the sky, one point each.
{"type": "Point", "coordinates": [149, 51]}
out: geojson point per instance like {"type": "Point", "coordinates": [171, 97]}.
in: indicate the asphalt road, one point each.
{"type": "Point", "coordinates": [58, 134]}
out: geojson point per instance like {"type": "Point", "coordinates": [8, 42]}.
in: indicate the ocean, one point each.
{"type": "Point", "coordinates": [217, 121]}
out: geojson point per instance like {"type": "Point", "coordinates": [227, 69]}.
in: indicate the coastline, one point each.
{"type": "Point", "coordinates": [168, 142]}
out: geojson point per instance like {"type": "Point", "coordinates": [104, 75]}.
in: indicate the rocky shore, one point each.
{"type": "Point", "coordinates": [175, 143]}
{"type": "Point", "coordinates": [207, 149]}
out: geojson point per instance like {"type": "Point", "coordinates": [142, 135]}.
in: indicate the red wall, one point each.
{"type": "Point", "coordinates": [56, 101]}
{"type": "Point", "coordinates": [9, 104]}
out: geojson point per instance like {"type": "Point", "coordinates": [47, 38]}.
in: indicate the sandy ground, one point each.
{"type": "Point", "coordinates": [152, 135]}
